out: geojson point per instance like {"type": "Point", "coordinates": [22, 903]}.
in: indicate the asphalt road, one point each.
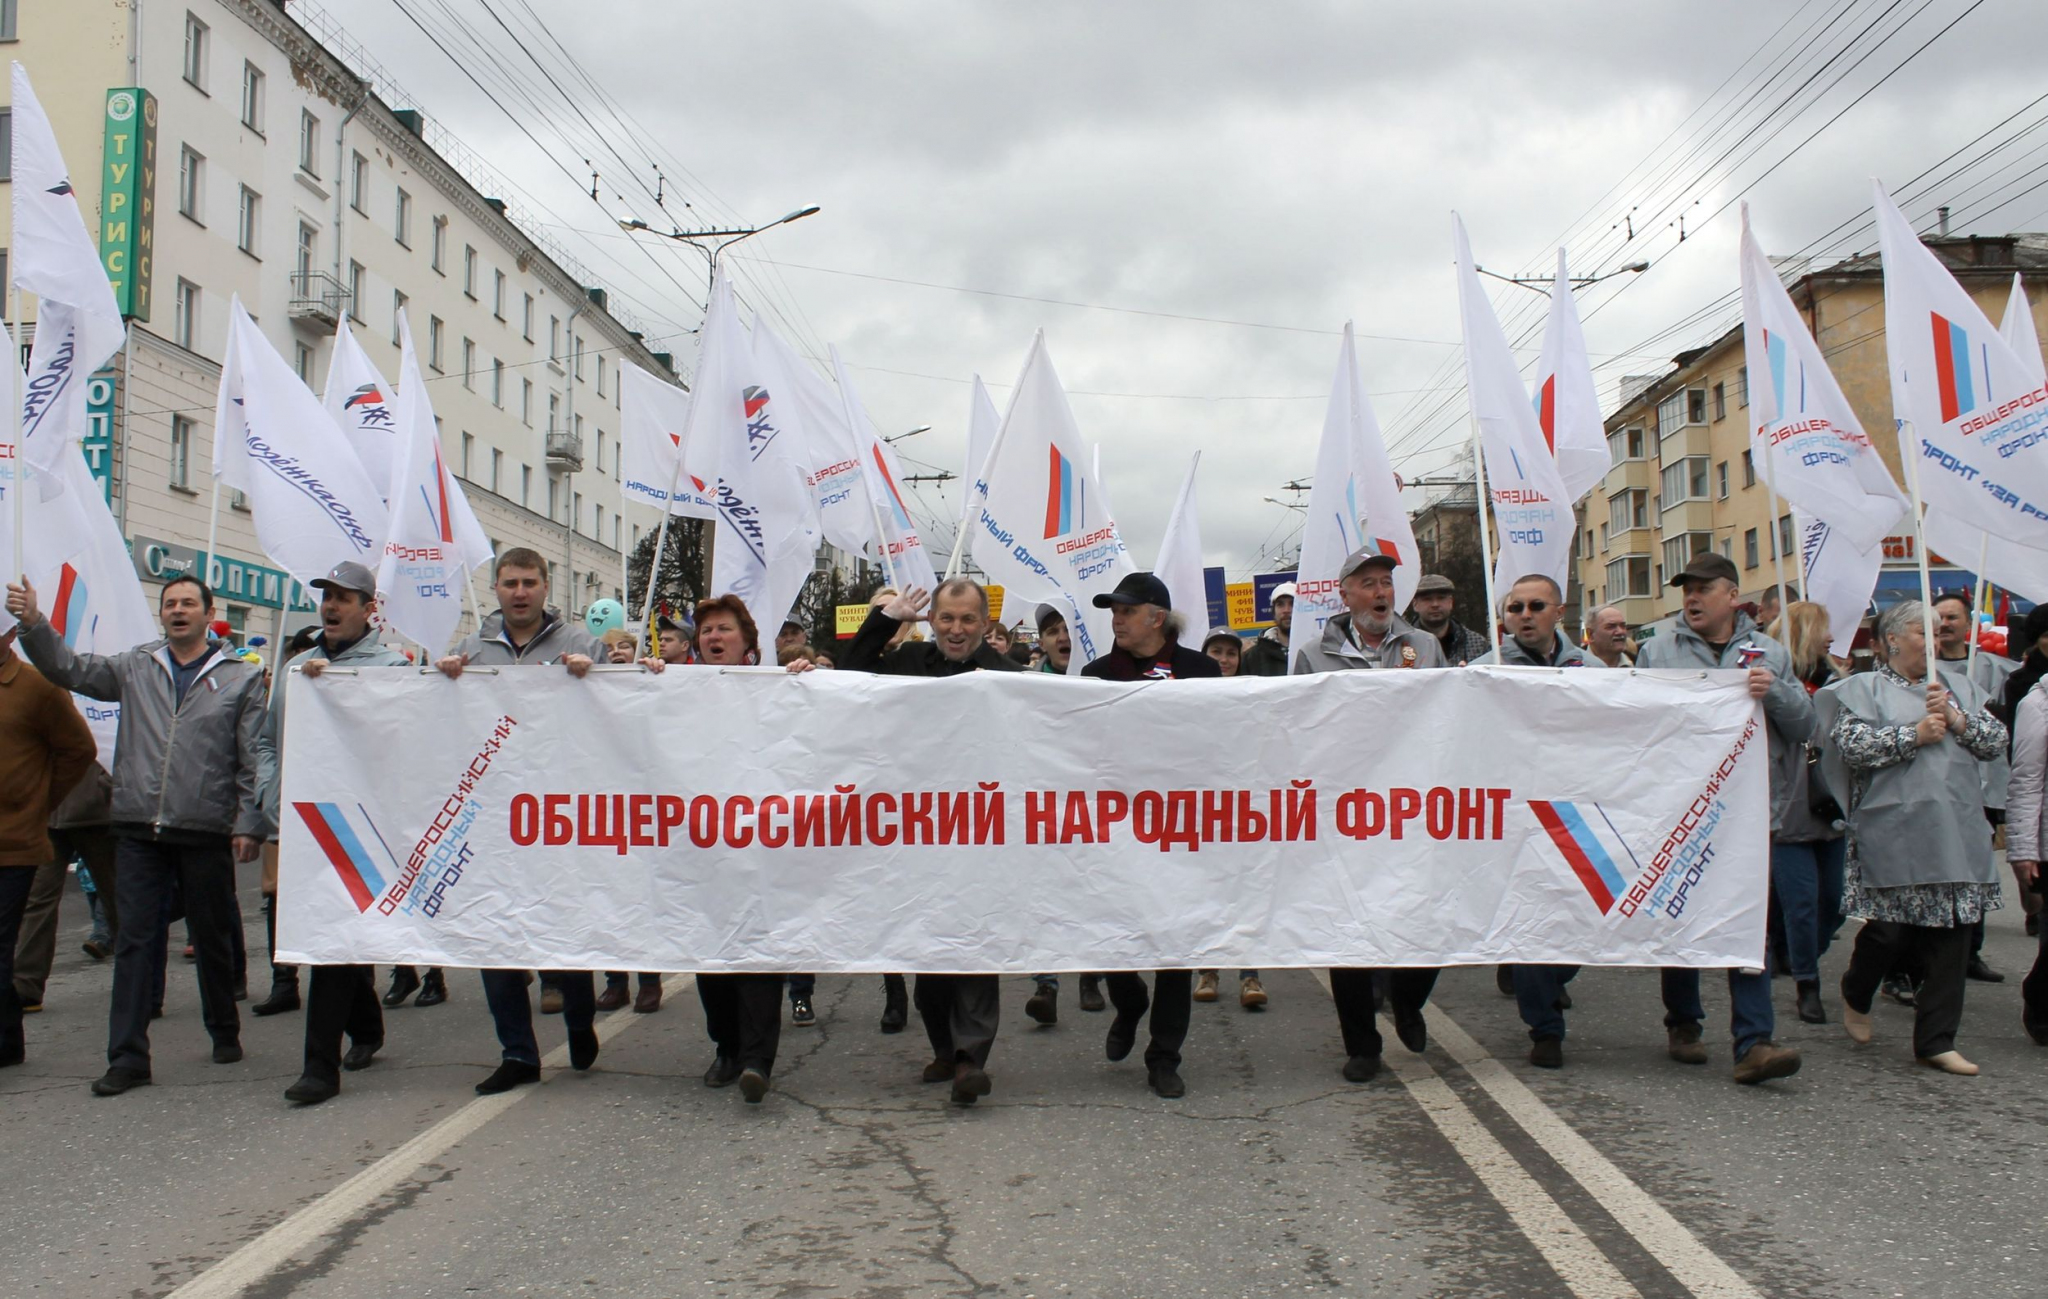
{"type": "Point", "coordinates": [1462, 1171]}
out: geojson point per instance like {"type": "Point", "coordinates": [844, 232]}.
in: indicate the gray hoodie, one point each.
{"type": "Point", "coordinates": [180, 769]}
{"type": "Point", "coordinates": [1512, 654]}
{"type": "Point", "coordinates": [365, 653]}
{"type": "Point", "coordinates": [1335, 651]}
{"type": "Point", "coordinates": [556, 639]}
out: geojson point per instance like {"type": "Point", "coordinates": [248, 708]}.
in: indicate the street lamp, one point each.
{"type": "Point", "coordinates": [922, 428]}
{"type": "Point", "coordinates": [729, 237]}
{"type": "Point", "coordinates": [1576, 281]}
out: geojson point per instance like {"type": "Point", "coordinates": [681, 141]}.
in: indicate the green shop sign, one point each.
{"type": "Point", "coordinates": [128, 197]}
{"type": "Point", "coordinates": [232, 579]}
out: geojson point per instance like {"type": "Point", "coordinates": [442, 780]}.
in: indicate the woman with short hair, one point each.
{"type": "Point", "coordinates": [1807, 853]}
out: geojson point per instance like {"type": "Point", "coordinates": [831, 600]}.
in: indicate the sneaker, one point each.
{"type": "Point", "coordinates": [1765, 1061]}
{"type": "Point", "coordinates": [724, 1072]}
{"type": "Point", "coordinates": [1165, 1081]}
{"type": "Point", "coordinates": [614, 997]}
{"type": "Point", "coordinates": [1684, 1045]}
{"type": "Point", "coordinates": [1205, 986]}
{"type": "Point", "coordinates": [1547, 1053]}
{"type": "Point", "coordinates": [1091, 994]}
{"type": "Point", "coordinates": [1251, 994]}
{"type": "Point", "coordinates": [753, 1085]}
{"type": "Point", "coordinates": [405, 981]}
{"type": "Point", "coordinates": [550, 1000]}
{"type": "Point", "coordinates": [1361, 1068]}
{"type": "Point", "coordinates": [309, 1090]}
{"type": "Point", "coordinates": [510, 1074]}
{"type": "Point", "coordinates": [115, 1081]}
{"type": "Point", "coordinates": [433, 989]}
{"type": "Point", "coordinates": [1043, 1005]}
{"type": "Point", "coordinates": [800, 1012]}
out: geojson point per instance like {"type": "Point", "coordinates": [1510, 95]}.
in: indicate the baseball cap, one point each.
{"type": "Point", "coordinates": [1137, 588]}
{"type": "Point", "coordinates": [1220, 633]}
{"type": "Point", "coordinates": [348, 575]}
{"type": "Point", "coordinates": [1046, 615]}
{"type": "Point", "coordinates": [1365, 557]}
{"type": "Point", "coordinates": [1435, 584]}
{"type": "Point", "coordinates": [1705, 567]}
{"type": "Point", "coordinates": [1284, 589]}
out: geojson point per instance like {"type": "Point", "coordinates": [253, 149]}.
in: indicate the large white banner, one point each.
{"type": "Point", "coordinates": [1022, 822]}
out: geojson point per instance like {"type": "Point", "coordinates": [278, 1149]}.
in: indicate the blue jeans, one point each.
{"type": "Point", "coordinates": [1806, 883]}
{"type": "Point", "coordinates": [512, 1011]}
{"type": "Point", "coordinates": [801, 985]}
{"type": "Point", "coordinates": [1538, 989]}
{"type": "Point", "coordinates": [1751, 1018]}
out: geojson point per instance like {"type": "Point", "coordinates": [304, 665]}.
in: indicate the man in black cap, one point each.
{"type": "Point", "coordinates": [1434, 599]}
{"type": "Point", "coordinates": [1147, 648]}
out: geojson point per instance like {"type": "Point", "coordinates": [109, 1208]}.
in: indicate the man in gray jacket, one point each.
{"type": "Point", "coordinates": [1714, 633]}
{"type": "Point", "coordinates": [1530, 615]}
{"type": "Point", "coordinates": [184, 808]}
{"type": "Point", "coordinates": [1368, 635]}
{"type": "Point", "coordinates": [525, 632]}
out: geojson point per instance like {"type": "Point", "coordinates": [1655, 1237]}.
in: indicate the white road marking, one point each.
{"type": "Point", "coordinates": [299, 1234]}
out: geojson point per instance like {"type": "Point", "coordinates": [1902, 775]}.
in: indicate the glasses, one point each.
{"type": "Point", "coordinates": [1533, 606]}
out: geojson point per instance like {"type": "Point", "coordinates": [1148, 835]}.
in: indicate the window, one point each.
{"type": "Point", "coordinates": [185, 315]}
{"type": "Point", "coordinates": [1784, 534]}
{"type": "Point", "coordinates": [553, 491]}
{"type": "Point", "coordinates": [597, 529]}
{"type": "Point", "coordinates": [1749, 549]}
{"type": "Point", "coordinates": [576, 511]}
{"type": "Point", "coordinates": [468, 450]}
{"type": "Point", "coordinates": [6, 141]}
{"type": "Point", "coordinates": [401, 220]}
{"type": "Point", "coordinates": [498, 294]}
{"type": "Point", "coordinates": [526, 402]}
{"type": "Point", "coordinates": [302, 363]}
{"type": "Point", "coordinates": [1617, 511]}
{"type": "Point", "coordinates": [1686, 406]}
{"type": "Point", "coordinates": [398, 301]}
{"type": "Point", "coordinates": [247, 220]}
{"type": "Point", "coordinates": [469, 365]}
{"type": "Point", "coordinates": [497, 466]}
{"type": "Point", "coordinates": [469, 272]}
{"type": "Point", "coordinates": [1727, 547]}
{"type": "Point", "coordinates": [309, 142]}
{"type": "Point", "coordinates": [1679, 550]}
{"type": "Point", "coordinates": [434, 342]}
{"type": "Point", "coordinates": [577, 342]}
{"type": "Point", "coordinates": [309, 244]}
{"type": "Point", "coordinates": [526, 320]}
{"type": "Point", "coordinates": [1742, 387]}
{"type": "Point", "coordinates": [355, 291]}
{"type": "Point", "coordinates": [190, 169]}
{"type": "Point", "coordinates": [554, 411]}
{"type": "Point", "coordinates": [359, 183]}
{"type": "Point", "coordinates": [195, 53]}
{"type": "Point", "coordinates": [252, 98]}
{"type": "Point", "coordinates": [1721, 481]}
{"type": "Point", "coordinates": [437, 252]}
{"type": "Point", "coordinates": [1684, 480]}
{"type": "Point", "coordinates": [1720, 402]}
{"type": "Point", "coordinates": [9, 26]}
{"type": "Point", "coordinates": [497, 383]}
{"type": "Point", "coordinates": [600, 375]}
{"type": "Point", "coordinates": [525, 483]}
{"type": "Point", "coordinates": [615, 534]}
{"type": "Point", "coordinates": [1603, 537]}
{"type": "Point", "coordinates": [600, 451]}
{"type": "Point", "coordinates": [1748, 470]}
{"type": "Point", "coordinates": [554, 338]}
{"type": "Point", "coordinates": [1628, 576]}
{"type": "Point", "coordinates": [181, 450]}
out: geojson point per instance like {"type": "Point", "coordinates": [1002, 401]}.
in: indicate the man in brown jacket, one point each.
{"type": "Point", "coordinates": [44, 748]}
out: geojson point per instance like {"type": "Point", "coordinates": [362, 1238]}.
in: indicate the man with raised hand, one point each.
{"type": "Point", "coordinates": [960, 1011]}
{"type": "Point", "coordinates": [1268, 655]}
{"type": "Point", "coordinates": [187, 759]}
{"type": "Point", "coordinates": [525, 632]}
{"type": "Point", "coordinates": [1530, 613]}
{"type": "Point", "coordinates": [1714, 633]}
{"type": "Point", "coordinates": [1147, 647]}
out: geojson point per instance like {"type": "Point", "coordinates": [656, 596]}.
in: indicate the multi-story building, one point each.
{"type": "Point", "coordinates": [1683, 480]}
{"type": "Point", "coordinates": [220, 149]}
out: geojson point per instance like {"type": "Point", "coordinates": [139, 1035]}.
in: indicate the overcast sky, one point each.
{"type": "Point", "coordinates": [1289, 166]}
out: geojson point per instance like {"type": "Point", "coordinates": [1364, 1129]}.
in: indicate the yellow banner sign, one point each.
{"type": "Point", "coordinates": [847, 618]}
{"type": "Point", "coordinates": [1240, 603]}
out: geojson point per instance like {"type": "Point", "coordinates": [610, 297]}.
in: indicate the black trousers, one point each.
{"type": "Point", "coordinates": [1941, 954]}
{"type": "Point", "coordinates": [340, 998]}
{"type": "Point", "coordinates": [1172, 1003]}
{"type": "Point", "coordinates": [15, 883]}
{"type": "Point", "coordinates": [1408, 991]}
{"type": "Point", "coordinates": [743, 1015]}
{"type": "Point", "coordinates": [147, 871]}
{"type": "Point", "coordinates": [960, 1012]}
{"type": "Point", "coordinates": [2034, 988]}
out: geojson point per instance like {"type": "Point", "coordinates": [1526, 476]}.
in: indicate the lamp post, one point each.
{"type": "Point", "coordinates": [898, 437]}
{"type": "Point", "coordinates": [1535, 285]}
{"type": "Point", "coordinates": [728, 237]}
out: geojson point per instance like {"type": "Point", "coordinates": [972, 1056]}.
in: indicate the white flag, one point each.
{"type": "Point", "coordinates": [653, 413]}
{"type": "Point", "coordinates": [1043, 532]}
{"type": "Point", "coordinates": [1532, 513]}
{"type": "Point", "coordinates": [1839, 577]}
{"type": "Point", "coordinates": [982, 422]}
{"type": "Point", "coordinates": [360, 402]}
{"type": "Point", "coordinates": [901, 551]}
{"type": "Point", "coordinates": [2020, 569]}
{"type": "Point", "coordinates": [1353, 501]}
{"type": "Point", "coordinates": [767, 521]}
{"type": "Point", "coordinates": [1180, 563]}
{"type": "Point", "coordinates": [1803, 434]}
{"type": "Point", "coordinates": [78, 323]}
{"type": "Point", "coordinates": [434, 540]}
{"type": "Point", "coordinates": [1567, 404]}
{"type": "Point", "coordinates": [811, 411]}
{"type": "Point", "coordinates": [313, 502]}
{"type": "Point", "coordinates": [1970, 410]}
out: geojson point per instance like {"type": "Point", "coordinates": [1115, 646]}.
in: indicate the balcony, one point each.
{"type": "Point", "coordinates": [565, 453]}
{"type": "Point", "coordinates": [317, 297]}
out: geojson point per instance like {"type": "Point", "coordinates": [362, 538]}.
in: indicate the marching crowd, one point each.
{"type": "Point", "coordinates": [1886, 787]}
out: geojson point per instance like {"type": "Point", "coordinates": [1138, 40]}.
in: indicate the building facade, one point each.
{"type": "Point", "coordinates": [283, 177]}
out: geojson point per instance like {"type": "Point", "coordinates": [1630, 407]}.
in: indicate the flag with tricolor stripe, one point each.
{"type": "Point", "coordinates": [347, 847]}
{"type": "Point", "coordinates": [1591, 846]}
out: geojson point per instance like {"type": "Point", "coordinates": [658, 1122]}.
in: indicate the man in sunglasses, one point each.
{"type": "Point", "coordinates": [1530, 614]}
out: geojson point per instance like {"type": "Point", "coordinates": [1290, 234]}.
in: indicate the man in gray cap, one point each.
{"type": "Point", "coordinates": [1268, 655]}
{"type": "Point", "coordinates": [1434, 599]}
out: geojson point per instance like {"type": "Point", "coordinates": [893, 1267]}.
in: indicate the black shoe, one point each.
{"type": "Point", "coordinates": [1564, 999]}
{"type": "Point", "coordinates": [13, 1055]}
{"type": "Point", "coordinates": [360, 1054]}
{"type": "Point", "coordinates": [1981, 972]}
{"type": "Point", "coordinates": [227, 1052]}
{"type": "Point", "coordinates": [433, 990]}
{"type": "Point", "coordinates": [582, 1048]}
{"type": "Point", "coordinates": [753, 1085]}
{"type": "Point", "coordinates": [510, 1074]}
{"type": "Point", "coordinates": [309, 1090]}
{"type": "Point", "coordinates": [1044, 1004]}
{"type": "Point", "coordinates": [1361, 1068]}
{"type": "Point", "coordinates": [724, 1072]}
{"type": "Point", "coordinates": [1091, 994]}
{"type": "Point", "coordinates": [1547, 1053]}
{"type": "Point", "coordinates": [895, 1004]}
{"type": "Point", "coordinates": [800, 1012]}
{"type": "Point", "coordinates": [2037, 1029]}
{"type": "Point", "coordinates": [1123, 1035]}
{"type": "Point", "coordinates": [284, 996]}
{"type": "Point", "coordinates": [1811, 1011]}
{"type": "Point", "coordinates": [241, 987]}
{"type": "Point", "coordinates": [115, 1081]}
{"type": "Point", "coordinates": [1900, 989]}
{"type": "Point", "coordinates": [1504, 980]}
{"type": "Point", "coordinates": [1165, 1080]}
{"type": "Point", "coordinates": [1414, 1034]}
{"type": "Point", "coordinates": [100, 949]}
{"type": "Point", "coordinates": [404, 982]}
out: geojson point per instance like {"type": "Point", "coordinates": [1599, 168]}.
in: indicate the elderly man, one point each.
{"type": "Point", "coordinates": [1715, 633]}
{"type": "Point", "coordinates": [1147, 648]}
{"type": "Point", "coordinates": [960, 1011]}
{"type": "Point", "coordinates": [1268, 655]}
{"type": "Point", "coordinates": [1954, 623]}
{"type": "Point", "coordinates": [1530, 613]}
{"type": "Point", "coordinates": [1434, 599]}
{"type": "Point", "coordinates": [1607, 637]}
{"type": "Point", "coordinates": [1369, 635]}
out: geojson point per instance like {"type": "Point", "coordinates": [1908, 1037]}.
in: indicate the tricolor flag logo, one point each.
{"type": "Point", "coordinates": [68, 613]}
{"type": "Point", "coordinates": [1952, 372]}
{"type": "Point", "coordinates": [895, 493]}
{"type": "Point", "coordinates": [444, 526]}
{"type": "Point", "coordinates": [1066, 498]}
{"type": "Point", "coordinates": [367, 393]}
{"type": "Point", "coordinates": [1591, 845]}
{"type": "Point", "coordinates": [1546, 411]}
{"type": "Point", "coordinates": [336, 834]}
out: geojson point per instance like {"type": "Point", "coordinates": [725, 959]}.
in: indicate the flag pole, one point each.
{"type": "Point", "coordinates": [973, 512]}
{"type": "Point", "coordinates": [18, 482]}
{"type": "Point", "coordinates": [1485, 538]}
{"type": "Point", "coordinates": [476, 608]}
{"type": "Point", "coordinates": [675, 480]}
{"type": "Point", "coordinates": [1778, 543]}
{"type": "Point", "coordinates": [1920, 544]}
{"type": "Point", "coordinates": [1976, 602]}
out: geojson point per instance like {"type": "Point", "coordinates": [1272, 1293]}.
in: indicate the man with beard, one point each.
{"type": "Point", "coordinates": [1434, 598]}
{"type": "Point", "coordinates": [1268, 655]}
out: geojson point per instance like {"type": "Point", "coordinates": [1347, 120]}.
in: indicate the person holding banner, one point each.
{"type": "Point", "coordinates": [1955, 623]}
{"type": "Point", "coordinates": [523, 632]}
{"type": "Point", "coordinates": [960, 1011]}
{"type": "Point", "coordinates": [1714, 633]}
{"type": "Point", "coordinates": [1530, 613]}
{"type": "Point", "coordinates": [185, 809]}
{"type": "Point", "coordinates": [1370, 635]}
{"type": "Point", "coordinates": [1920, 867]}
